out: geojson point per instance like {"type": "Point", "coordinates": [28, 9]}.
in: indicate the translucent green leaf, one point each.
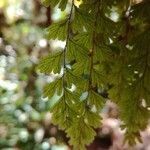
{"type": "Point", "coordinates": [57, 30]}
{"type": "Point", "coordinates": [61, 3]}
{"type": "Point", "coordinates": [76, 51]}
{"type": "Point", "coordinates": [46, 2]}
{"type": "Point", "coordinates": [51, 88]}
{"type": "Point", "coordinates": [95, 100]}
{"type": "Point", "coordinates": [51, 63]}
{"type": "Point", "coordinates": [84, 39]}
{"type": "Point", "coordinates": [79, 81]}
{"type": "Point", "coordinates": [103, 53]}
{"type": "Point", "coordinates": [105, 25]}
{"type": "Point", "coordinates": [84, 134]}
{"type": "Point", "coordinates": [92, 119]}
{"type": "Point", "coordinates": [81, 68]}
{"type": "Point", "coordinates": [98, 78]}
{"type": "Point", "coordinates": [82, 20]}
{"type": "Point", "coordinates": [62, 114]}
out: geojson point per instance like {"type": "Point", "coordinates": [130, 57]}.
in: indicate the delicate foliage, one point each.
{"type": "Point", "coordinates": [99, 52]}
{"type": "Point", "coordinates": [80, 133]}
{"type": "Point", "coordinates": [57, 30]}
{"type": "Point", "coordinates": [51, 63]}
{"type": "Point", "coordinates": [61, 3]}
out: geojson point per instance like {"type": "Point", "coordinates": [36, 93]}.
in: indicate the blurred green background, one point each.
{"type": "Point", "coordinates": [25, 120]}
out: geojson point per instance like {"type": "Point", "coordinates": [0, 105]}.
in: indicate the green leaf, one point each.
{"type": "Point", "coordinates": [103, 53]}
{"type": "Point", "coordinates": [61, 3]}
{"type": "Point", "coordinates": [92, 119]}
{"type": "Point", "coordinates": [82, 20]}
{"type": "Point", "coordinates": [96, 100]}
{"type": "Point", "coordinates": [84, 39]}
{"type": "Point", "coordinates": [81, 68]}
{"type": "Point", "coordinates": [71, 98]}
{"type": "Point", "coordinates": [120, 57]}
{"type": "Point", "coordinates": [46, 2]}
{"type": "Point", "coordinates": [51, 88]}
{"type": "Point", "coordinates": [76, 51]}
{"type": "Point", "coordinates": [62, 114]}
{"type": "Point", "coordinates": [57, 30]}
{"type": "Point", "coordinates": [50, 63]}
{"type": "Point", "coordinates": [99, 77]}
{"type": "Point", "coordinates": [79, 81]}
{"type": "Point", "coordinates": [105, 25]}
{"type": "Point", "coordinates": [80, 134]}
{"type": "Point", "coordinates": [133, 114]}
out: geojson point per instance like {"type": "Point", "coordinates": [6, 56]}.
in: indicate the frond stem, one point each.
{"type": "Point", "coordinates": [65, 49]}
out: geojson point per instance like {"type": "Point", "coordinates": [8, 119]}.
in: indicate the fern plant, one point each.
{"type": "Point", "coordinates": [100, 51]}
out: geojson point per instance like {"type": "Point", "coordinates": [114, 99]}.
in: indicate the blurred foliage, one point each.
{"type": "Point", "coordinates": [25, 121]}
